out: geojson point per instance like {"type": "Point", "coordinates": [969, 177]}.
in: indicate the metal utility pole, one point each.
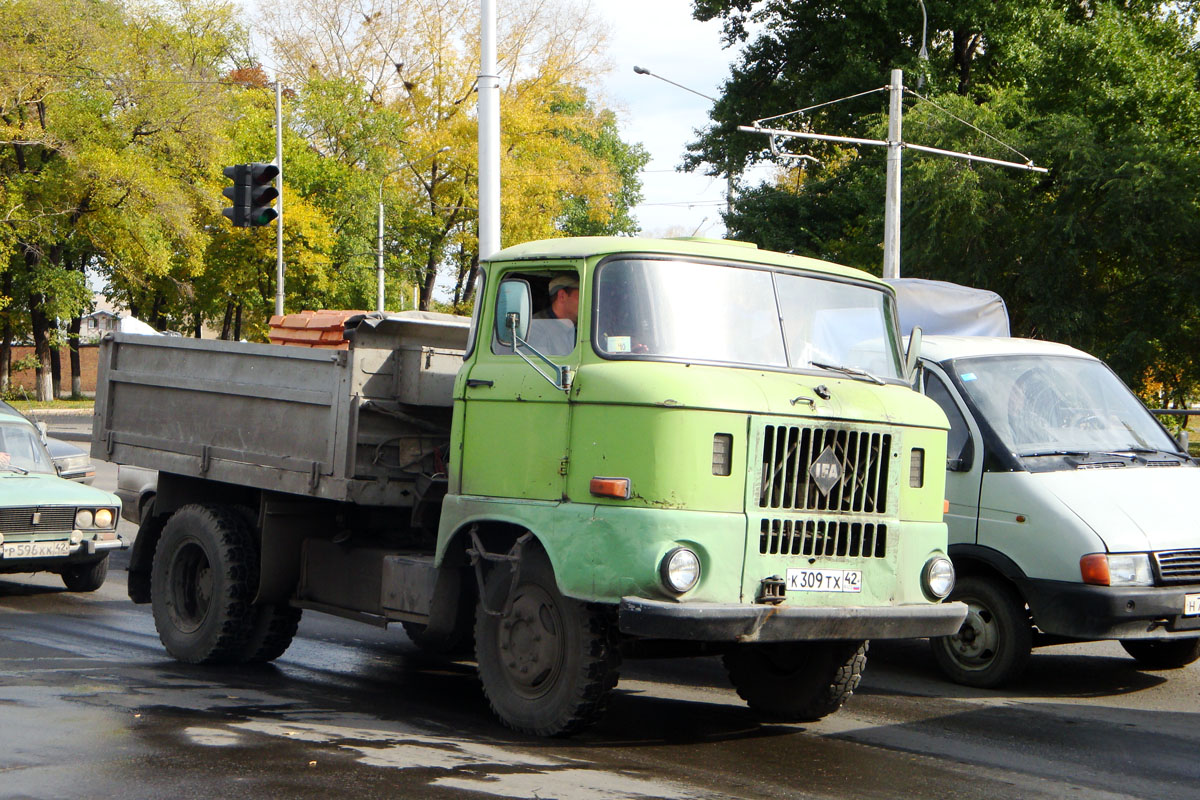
{"type": "Point", "coordinates": [895, 145]}
{"type": "Point", "coordinates": [488, 87]}
{"type": "Point", "coordinates": [279, 208]}
{"type": "Point", "coordinates": [379, 256]}
{"type": "Point", "coordinates": [891, 205]}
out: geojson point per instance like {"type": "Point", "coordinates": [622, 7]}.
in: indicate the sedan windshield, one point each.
{"type": "Point", "coordinates": [21, 450]}
{"type": "Point", "coordinates": [1060, 405]}
{"type": "Point", "coordinates": [686, 311]}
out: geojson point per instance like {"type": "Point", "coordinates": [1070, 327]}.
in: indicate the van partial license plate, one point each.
{"type": "Point", "coordinates": [824, 580]}
{"type": "Point", "coordinates": [61, 547]}
{"type": "Point", "coordinates": [1191, 605]}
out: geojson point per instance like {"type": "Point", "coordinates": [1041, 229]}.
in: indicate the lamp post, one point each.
{"type": "Point", "coordinates": [729, 173]}
{"type": "Point", "coordinates": [379, 239]}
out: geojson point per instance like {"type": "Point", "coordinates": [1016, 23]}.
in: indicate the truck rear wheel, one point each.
{"type": "Point", "coordinates": [1171, 654]}
{"type": "Point", "coordinates": [993, 645]}
{"type": "Point", "coordinates": [86, 577]}
{"type": "Point", "coordinates": [272, 629]}
{"type": "Point", "coordinates": [202, 585]}
{"type": "Point", "coordinates": [796, 681]}
{"type": "Point", "coordinates": [549, 665]}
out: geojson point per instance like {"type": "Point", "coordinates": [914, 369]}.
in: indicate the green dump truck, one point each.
{"type": "Point", "coordinates": [716, 451]}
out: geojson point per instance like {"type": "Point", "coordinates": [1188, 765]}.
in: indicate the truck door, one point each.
{"type": "Point", "coordinates": [964, 458]}
{"type": "Point", "coordinates": [515, 421]}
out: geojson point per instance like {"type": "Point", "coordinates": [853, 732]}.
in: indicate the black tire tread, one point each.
{"type": "Point", "coordinates": [836, 671]}
{"type": "Point", "coordinates": [237, 557]}
{"type": "Point", "coordinates": [85, 577]}
{"type": "Point", "coordinates": [1160, 654]}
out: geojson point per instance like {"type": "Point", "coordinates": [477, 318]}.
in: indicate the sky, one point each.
{"type": "Point", "coordinates": [662, 36]}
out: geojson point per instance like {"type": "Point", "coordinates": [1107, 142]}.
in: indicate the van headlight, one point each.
{"type": "Point", "coordinates": [1120, 569]}
{"type": "Point", "coordinates": [680, 570]}
{"type": "Point", "coordinates": [937, 579]}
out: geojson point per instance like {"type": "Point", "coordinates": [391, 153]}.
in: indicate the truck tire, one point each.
{"type": "Point", "coordinates": [202, 585]}
{"type": "Point", "coordinates": [86, 577]}
{"type": "Point", "coordinates": [1171, 654]}
{"type": "Point", "coordinates": [993, 645]}
{"type": "Point", "coordinates": [272, 629]}
{"type": "Point", "coordinates": [549, 665]}
{"type": "Point", "coordinates": [796, 681]}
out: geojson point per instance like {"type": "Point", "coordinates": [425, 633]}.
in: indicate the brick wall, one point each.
{"type": "Point", "coordinates": [88, 357]}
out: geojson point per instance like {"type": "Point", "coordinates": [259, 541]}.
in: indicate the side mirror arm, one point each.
{"type": "Point", "coordinates": [558, 375]}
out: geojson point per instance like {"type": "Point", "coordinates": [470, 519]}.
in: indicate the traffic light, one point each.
{"type": "Point", "coordinates": [251, 193]}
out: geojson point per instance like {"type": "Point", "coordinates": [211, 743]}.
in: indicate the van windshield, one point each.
{"type": "Point", "coordinates": [1060, 405]}
{"type": "Point", "coordinates": [685, 311]}
{"type": "Point", "coordinates": [21, 450]}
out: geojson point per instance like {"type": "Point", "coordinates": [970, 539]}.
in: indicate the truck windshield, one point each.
{"type": "Point", "coordinates": [1060, 405]}
{"type": "Point", "coordinates": [21, 451]}
{"type": "Point", "coordinates": [685, 311]}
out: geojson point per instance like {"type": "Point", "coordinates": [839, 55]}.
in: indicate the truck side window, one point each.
{"type": "Point", "coordinates": [958, 440]}
{"type": "Point", "coordinates": [556, 309]}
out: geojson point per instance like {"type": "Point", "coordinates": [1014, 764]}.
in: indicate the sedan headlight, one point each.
{"type": "Point", "coordinates": [1120, 569]}
{"type": "Point", "coordinates": [680, 570]}
{"type": "Point", "coordinates": [94, 518]}
{"type": "Point", "coordinates": [104, 518]}
{"type": "Point", "coordinates": [84, 518]}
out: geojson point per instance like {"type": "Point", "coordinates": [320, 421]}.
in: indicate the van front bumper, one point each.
{"type": "Point", "coordinates": [735, 622]}
{"type": "Point", "coordinates": [1082, 611]}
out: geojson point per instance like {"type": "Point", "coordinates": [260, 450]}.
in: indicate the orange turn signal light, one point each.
{"type": "Point", "coordinates": [611, 487]}
{"type": "Point", "coordinates": [1094, 569]}
{"type": "Point", "coordinates": [945, 506]}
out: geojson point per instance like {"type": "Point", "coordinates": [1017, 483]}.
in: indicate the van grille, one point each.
{"type": "Point", "coordinates": [50, 520]}
{"type": "Point", "coordinates": [787, 467]}
{"type": "Point", "coordinates": [1178, 566]}
{"type": "Point", "coordinates": [820, 537]}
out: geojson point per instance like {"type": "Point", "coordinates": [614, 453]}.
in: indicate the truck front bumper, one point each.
{"type": "Point", "coordinates": [1082, 611]}
{"type": "Point", "coordinates": [735, 622]}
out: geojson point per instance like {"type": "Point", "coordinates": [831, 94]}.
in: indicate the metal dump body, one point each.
{"type": "Point", "coordinates": [350, 425]}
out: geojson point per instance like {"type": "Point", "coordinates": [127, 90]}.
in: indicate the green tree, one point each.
{"type": "Point", "coordinates": [1095, 253]}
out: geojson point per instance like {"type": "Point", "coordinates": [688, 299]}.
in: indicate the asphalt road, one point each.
{"type": "Point", "coordinates": [91, 706]}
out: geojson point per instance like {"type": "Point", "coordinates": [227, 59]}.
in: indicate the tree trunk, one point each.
{"type": "Point", "coordinates": [41, 347]}
{"type": "Point", "coordinates": [237, 323]}
{"type": "Point", "coordinates": [73, 349]}
{"type": "Point", "coordinates": [6, 334]}
{"type": "Point", "coordinates": [227, 323]}
{"type": "Point", "coordinates": [56, 369]}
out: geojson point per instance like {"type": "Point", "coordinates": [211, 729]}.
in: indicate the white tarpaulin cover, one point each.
{"type": "Point", "coordinates": [947, 309]}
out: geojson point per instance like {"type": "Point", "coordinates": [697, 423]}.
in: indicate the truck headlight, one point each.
{"type": "Point", "coordinates": [680, 570]}
{"type": "Point", "coordinates": [938, 577]}
{"type": "Point", "coordinates": [1120, 569]}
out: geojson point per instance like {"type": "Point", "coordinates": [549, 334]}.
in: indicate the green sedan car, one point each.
{"type": "Point", "coordinates": [48, 524]}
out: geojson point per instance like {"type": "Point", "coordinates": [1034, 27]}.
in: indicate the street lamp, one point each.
{"type": "Point", "coordinates": [379, 240]}
{"type": "Point", "coordinates": [729, 171]}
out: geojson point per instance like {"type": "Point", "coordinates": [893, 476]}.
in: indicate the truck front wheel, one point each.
{"type": "Point", "coordinates": [1171, 654]}
{"type": "Point", "coordinates": [993, 645]}
{"type": "Point", "coordinates": [549, 664]}
{"type": "Point", "coordinates": [202, 585]}
{"type": "Point", "coordinates": [796, 681]}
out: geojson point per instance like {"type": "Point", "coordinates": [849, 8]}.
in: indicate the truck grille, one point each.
{"type": "Point", "coordinates": [50, 519]}
{"type": "Point", "coordinates": [859, 486]}
{"type": "Point", "coordinates": [1178, 566]}
{"type": "Point", "coordinates": [821, 537]}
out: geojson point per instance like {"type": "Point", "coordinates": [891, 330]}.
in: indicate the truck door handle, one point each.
{"type": "Point", "coordinates": [473, 382]}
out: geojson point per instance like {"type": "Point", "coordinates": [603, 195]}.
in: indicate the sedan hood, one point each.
{"type": "Point", "coordinates": [37, 489]}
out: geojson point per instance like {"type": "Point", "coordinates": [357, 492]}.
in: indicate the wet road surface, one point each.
{"type": "Point", "coordinates": [91, 706]}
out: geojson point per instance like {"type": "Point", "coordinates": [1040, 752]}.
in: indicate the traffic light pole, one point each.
{"type": "Point", "coordinates": [279, 208]}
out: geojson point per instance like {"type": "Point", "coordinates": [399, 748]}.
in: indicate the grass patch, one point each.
{"type": "Point", "coordinates": [25, 406]}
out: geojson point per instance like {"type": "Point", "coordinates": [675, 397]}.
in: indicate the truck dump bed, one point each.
{"type": "Point", "coordinates": [357, 425]}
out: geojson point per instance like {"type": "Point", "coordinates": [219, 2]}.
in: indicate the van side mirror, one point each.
{"type": "Point", "coordinates": [914, 353]}
{"type": "Point", "coordinates": [513, 304]}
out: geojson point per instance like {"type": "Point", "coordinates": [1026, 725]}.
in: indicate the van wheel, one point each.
{"type": "Point", "coordinates": [86, 577]}
{"type": "Point", "coordinates": [1171, 654]}
{"type": "Point", "coordinates": [202, 585]}
{"type": "Point", "coordinates": [993, 645]}
{"type": "Point", "coordinates": [549, 665]}
{"type": "Point", "coordinates": [796, 681]}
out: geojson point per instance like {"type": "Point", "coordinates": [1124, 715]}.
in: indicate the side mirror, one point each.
{"type": "Point", "coordinates": [966, 457]}
{"type": "Point", "coordinates": [914, 353]}
{"type": "Point", "coordinates": [1182, 438]}
{"type": "Point", "coordinates": [513, 304]}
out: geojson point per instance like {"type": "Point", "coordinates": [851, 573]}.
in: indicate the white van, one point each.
{"type": "Point", "coordinates": [1071, 509]}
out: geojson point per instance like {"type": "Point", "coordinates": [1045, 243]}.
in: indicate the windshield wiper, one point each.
{"type": "Point", "coordinates": [1039, 453]}
{"type": "Point", "coordinates": [856, 372]}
